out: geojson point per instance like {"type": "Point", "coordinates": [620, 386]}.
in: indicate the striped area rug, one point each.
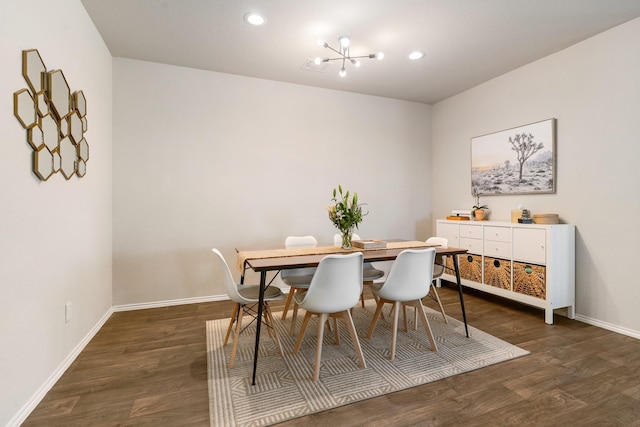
{"type": "Point", "coordinates": [284, 389]}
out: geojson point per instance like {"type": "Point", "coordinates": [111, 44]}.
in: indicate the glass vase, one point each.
{"type": "Point", "coordinates": [346, 238]}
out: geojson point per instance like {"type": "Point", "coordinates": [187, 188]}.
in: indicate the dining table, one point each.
{"type": "Point", "coordinates": [280, 258]}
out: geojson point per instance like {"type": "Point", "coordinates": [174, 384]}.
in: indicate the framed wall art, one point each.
{"type": "Point", "coordinates": [521, 160]}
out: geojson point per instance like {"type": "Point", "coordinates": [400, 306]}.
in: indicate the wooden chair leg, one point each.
{"type": "Point", "coordinates": [294, 317]}
{"type": "Point", "coordinates": [272, 327]}
{"type": "Point", "coordinates": [316, 368]}
{"type": "Point", "coordinates": [337, 332]}
{"type": "Point", "coordinates": [437, 298]}
{"type": "Point", "coordinates": [287, 303]}
{"type": "Point", "coordinates": [231, 321]}
{"type": "Point", "coordinates": [346, 315]}
{"type": "Point", "coordinates": [420, 309]}
{"type": "Point", "coordinates": [404, 319]}
{"type": "Point", "coordinates": [303, 328]}
{"type": "Point", "coordinates": [376, 315]}
{"type": "Point", "coordinates": [236, 336]}
{"type": "Point", "coordinates": [394, 330]}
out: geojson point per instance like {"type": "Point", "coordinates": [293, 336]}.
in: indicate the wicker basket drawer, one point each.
{"type": "Point", "coordinates": [530, 279]}
{"type": "Point", "coordinates": [497, 272]}
{"type": "Point", "coordinates": [470, 267]}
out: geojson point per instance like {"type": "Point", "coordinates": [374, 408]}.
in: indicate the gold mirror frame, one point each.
{"type": "Point", "coordinates": [68, 158]}
{"type": "Point", "coordinates": [55, 119]}
{"type": "Point", "coordinates": [43, 163]}
{"type": "Point", "coordinates": [24, 108]}
{"type": "Point", "coordinates": [33, 69]}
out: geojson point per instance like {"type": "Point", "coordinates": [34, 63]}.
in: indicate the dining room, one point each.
{"type": "Point", "coordinates": [184, 159]}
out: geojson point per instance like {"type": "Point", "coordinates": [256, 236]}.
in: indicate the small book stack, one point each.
{"type": "Point", "coordinates": [369, 244]}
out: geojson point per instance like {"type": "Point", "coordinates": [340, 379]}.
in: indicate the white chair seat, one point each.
{"type": "Point", "coordinates": [298, 281]}
{"type": "Point", "coordinates": [253, 292]}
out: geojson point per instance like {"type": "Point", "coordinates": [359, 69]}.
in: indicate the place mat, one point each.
{"type": "Point", "coordinates": [284, 389]}
{"type": "Point", "coordinates": [244, 256]}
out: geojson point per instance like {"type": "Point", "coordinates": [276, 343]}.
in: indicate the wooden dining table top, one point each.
{"type": "Point", "coordinates": [301, 260]}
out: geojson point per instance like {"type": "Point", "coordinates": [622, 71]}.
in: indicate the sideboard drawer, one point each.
{"type": "Point", "coordinates": [499, 234]}
{"type": "Point", "coordinates": [474, 246]}
{"type": "Point", "coordinates": [497, 249]}
{"type": "Point", "coordinates": [529, 245]}
{"type": "Point", "coordinates": [471, 231]}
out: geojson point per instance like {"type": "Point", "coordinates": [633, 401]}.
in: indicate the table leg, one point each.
{"type": "Point", "coordinates": [263, 281]}
{"type": "Point", "coordinates": [464, 314]}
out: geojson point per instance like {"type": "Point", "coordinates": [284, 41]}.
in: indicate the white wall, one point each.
{"type": "Point", "coordinates": [205, 159]}
{"type": "Point", "coordinates": [593, 90]}
{"type": "Point", "coordinates": [55, 236]}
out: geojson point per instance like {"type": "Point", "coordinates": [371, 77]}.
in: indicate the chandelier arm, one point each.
{"type": "Point", "coordinates": [336, 51]}
{"type": "Point", "coordinates": [372, 55]}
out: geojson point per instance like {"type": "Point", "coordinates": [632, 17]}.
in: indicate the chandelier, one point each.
{"type": "Point", "coordinates": [345, 54]}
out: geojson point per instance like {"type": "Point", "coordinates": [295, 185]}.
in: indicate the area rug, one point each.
{"type": "Point", "coordinates": [284, 389]}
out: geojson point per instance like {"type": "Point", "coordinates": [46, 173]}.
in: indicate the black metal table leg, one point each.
{"type": "Point", "coordinates": [464, 314]}
{"type": "Point", "coordinates": [263, 280]}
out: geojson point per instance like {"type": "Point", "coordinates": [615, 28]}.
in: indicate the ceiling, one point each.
{"type": "Point", "coordinates": [466, 42]}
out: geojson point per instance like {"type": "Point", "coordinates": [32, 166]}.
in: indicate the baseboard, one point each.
{"type": "Point", "coordinates": [168, 303]}
{"type": "Point", "coordinates": [611, 327]}
{"type": "Point", "coordinates": [31, 404]}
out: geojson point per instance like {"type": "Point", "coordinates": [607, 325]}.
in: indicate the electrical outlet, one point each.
{"type": "Point", "coordinates": [67, 312]}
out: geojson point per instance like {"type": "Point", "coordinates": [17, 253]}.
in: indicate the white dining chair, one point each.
{"type": "Point", "coordinates": [335, 289]}
{"type": "Point", "coordinates": [407, 283]}
{"type": "Point", "coordinates": [438, 271]}
{"type": "Point", "coordinates": [246, 297]}
{"type": "Point", "coordinates": [298, 279]}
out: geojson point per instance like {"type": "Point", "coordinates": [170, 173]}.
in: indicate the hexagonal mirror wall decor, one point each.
{"type": "Point", "coordinates": [55, 119]}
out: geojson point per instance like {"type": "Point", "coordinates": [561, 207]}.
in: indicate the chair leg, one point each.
{"type": "Point", "coordinates": [236, 336]}
{"type": "Point", "coordinates": [420, 309]}
{"type": "Point", "coordinates": [272, 327]}
{"type": "Point", "coordinates": [294, 317]}
{"type": "Point", "coordinates": [337, 332]}
{"type": "Point", "coordinates": [346, 315]}
{"type": "Point", "coordinates": [376, 315]}
{"type": "Point", "coordinates": [316, 368]}
{"type": "Point", "coordinates": [303, 328]}
{"type": "Point", "coordinates": [394, 330]}
{"type": "Point", "coordinates": [287, 303]}
{"type": "Point", "coordinates": [437, 298]}
{"type": "Point", "coordinates": [404, 319]}
{"type": "Point", "coordinates": [231, 321]}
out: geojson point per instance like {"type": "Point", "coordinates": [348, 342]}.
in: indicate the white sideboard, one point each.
{"type": "Point", "coordinates": [530, 263]}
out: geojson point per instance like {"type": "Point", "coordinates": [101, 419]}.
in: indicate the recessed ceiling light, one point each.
{"type": "Point", "coordinates": [414, 56]}
{"type": "Point", "coordinates": [254, 18]}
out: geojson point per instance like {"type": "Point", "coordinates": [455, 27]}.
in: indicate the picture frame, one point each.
{"type": "Point", "coordinates": [520, 160]}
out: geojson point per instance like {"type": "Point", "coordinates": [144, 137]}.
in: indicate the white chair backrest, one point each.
{"type": "Point", "coordinates": [229, 283]}
{"type": "Point", "coordinates": [300, 242]}
{"type": "Point", "coordinates": [337, 238]}
{"type": "Point", "coordinates": [410, 276]}
{"type": "Point", "coordinates": [336, 285]}
{"type": "Point", "coordinates": [442, 241]}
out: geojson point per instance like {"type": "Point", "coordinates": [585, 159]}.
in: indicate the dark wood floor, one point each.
{"type": "Point", "coordinates": [149, 367]}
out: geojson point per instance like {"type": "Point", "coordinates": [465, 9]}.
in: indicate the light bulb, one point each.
{"type": "Point", "coordinates": [343, 72]}
{"type": "Point", "coordinates": [416, 55]}
{"type": "Point", "coordinates": [321, 43]}
{"type": "Point", "coordinates": [317, 61]}
{"type": "Point", "coordinates": [344, 41]}
{"type": "Point", "coordinates": [254, 19]}
{"type": "Point", "coordinates": [380, 56]}
{"type": "Point", "coordinates": [355, 62]}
